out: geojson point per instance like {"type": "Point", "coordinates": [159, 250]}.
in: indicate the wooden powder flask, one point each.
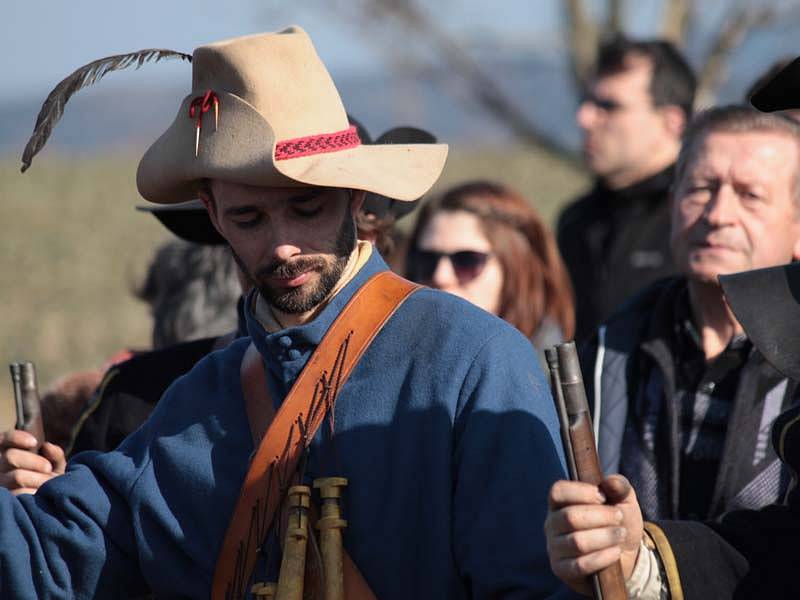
{"type": "Point", "coordinates": [330, 527]}
{"type": "Point", "coordinates": [581, 450]}
{"type": "Point", "coordinates": [293, 564]}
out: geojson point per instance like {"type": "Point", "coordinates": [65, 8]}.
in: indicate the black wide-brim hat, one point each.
{"type": "Point", "coordinates": [781, 91]}
{"type": "Point", "coordinates": [767, 304]}
{"type": "Point", "coordinates": [376, 204]}
{"type": "Point", "coordinates": [188, 220]}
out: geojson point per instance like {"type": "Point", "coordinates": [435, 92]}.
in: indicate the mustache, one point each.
{"type": "Point", "coordinates": [288, 270]}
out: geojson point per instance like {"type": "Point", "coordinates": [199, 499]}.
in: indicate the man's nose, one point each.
{"type": "Point", "coordinates": [586, 116]}
{"type": "Point", "coordinates": [721, 208]}
{"type": "Point", "coordinates": [444, 277]}
{"type": "Point", "coordinates": [284, 251]}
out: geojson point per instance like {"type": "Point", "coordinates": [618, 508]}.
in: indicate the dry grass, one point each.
{"type": "Point", "coordinates": [71, 247]}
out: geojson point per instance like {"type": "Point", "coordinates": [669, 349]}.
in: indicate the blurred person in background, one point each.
{"type": "Point", "coordinates": [192, 290]}
{"type": "Point", "coordinates": [615, 240]}
{"type": "Point", "coordinates": [192, 286]}
{"type": "Point", "coordinates": [682, 400]}
{"type": "Point", "coordinates": [485, 243]}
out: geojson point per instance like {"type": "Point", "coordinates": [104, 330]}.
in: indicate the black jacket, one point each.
{"type": "Point", "coordinates": [129, 393]}
{"type": "Point", "coordinates": [130, 390]}
{"type": "Point", "coordinates": [747, 554]}
{"type": "Point", "coordinates": [614, 243]}
{"type": "Point", "coordinates": [629, 369]}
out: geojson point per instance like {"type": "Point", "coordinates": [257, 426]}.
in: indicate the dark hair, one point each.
{"type": "Point", "coordinates": [535, 281]}
{"type": "Point", "coordinates": [672, 82]}
{"type": "Point", "coordinates": [192, 290]}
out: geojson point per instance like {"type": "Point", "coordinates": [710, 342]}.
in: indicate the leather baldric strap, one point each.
{"type": "Point", "coordinates": [294, 425]}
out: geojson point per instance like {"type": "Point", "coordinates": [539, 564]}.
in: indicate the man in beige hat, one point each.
{"type": "Point", "coordinates": [429, 417]}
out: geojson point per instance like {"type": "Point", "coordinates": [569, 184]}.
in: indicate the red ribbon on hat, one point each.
{"type": "Point", "coordinates": [317, 144]}
{"type": "Point", "coordinates": [199, 106]}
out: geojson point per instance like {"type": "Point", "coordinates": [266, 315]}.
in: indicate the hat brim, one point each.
{"type": "Point", "coordinates": [187, 220]}
{"type": "Point", "coordinates": [380, 205]}
{"type": "Point", "coordinates": [240, 149]}
{"type": "Point", "coordinates": [781, 92]}
{"type": "Point", "coordinates": [767, 304]}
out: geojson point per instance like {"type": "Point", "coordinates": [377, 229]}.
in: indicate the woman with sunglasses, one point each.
{"type": "Point", "coordinates": [485, 243]}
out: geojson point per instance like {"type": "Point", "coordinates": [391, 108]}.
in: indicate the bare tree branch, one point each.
{"type": "Point", "coordinates": [583, 36]}
{"type": "Point", "coordinates": [485, 91]}
{"type": "Point", "coordinates": [614, 22]}
{"type": "Point", "coordinates": [676, 20]}
{"type": "Point", "coordinates": [733, 33]}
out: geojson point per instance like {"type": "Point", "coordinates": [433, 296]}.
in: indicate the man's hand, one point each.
{"type": "Point", "coordinates": [22, 471]}
{"type": "Point", "coordinates": [584, 534]}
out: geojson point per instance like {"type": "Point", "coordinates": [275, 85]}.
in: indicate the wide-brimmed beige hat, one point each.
{"type": "Point", "coordinates": [264, 111]}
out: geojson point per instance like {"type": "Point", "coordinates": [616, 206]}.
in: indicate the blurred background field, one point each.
{"type": "Point", "coordinates": [72, 247]}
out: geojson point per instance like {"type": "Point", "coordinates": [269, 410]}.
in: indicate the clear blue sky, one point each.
{"type": "Point", "coordinates": [42, 41]}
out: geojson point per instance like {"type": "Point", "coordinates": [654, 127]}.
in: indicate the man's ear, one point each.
{"type": "Point", "coordinates": [674, 120]}
{"type": "Point", "coordinates": [208, 200]}
{"type": "Point", "coordinates": [356, 201]}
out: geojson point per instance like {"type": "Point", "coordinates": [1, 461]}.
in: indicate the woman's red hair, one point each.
{"type": "Point", "coordinates": [535, 281]}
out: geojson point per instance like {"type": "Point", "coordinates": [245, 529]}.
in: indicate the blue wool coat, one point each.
{"type": "Point", "coordinates": [445, 431]}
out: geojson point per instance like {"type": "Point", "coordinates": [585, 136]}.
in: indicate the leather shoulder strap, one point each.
{"type": "Point", "coordinates": [296, 422]}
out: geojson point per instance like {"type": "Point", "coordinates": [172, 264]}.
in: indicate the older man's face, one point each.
{"type": "Point", "coordinates": [292, 243]}
{"type": "Point", "coordinates": [734, 208]}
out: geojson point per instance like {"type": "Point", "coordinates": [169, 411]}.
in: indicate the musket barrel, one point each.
{"type": "Point", "coordinates": [26, 399]}
{"type": "Point", "coordinates": [609, 583]}
{"type": "Point", "coordinates": [551, 355]}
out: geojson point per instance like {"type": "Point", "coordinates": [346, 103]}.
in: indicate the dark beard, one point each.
{"type": "Point", "coordinates": [303, 299]}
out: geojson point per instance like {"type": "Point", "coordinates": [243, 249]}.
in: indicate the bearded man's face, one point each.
{"type": "Point", "coordinates": [291, 243]}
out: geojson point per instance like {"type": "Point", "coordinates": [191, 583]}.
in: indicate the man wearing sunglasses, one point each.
{"type": "Point", "coordinates": [632, 118]}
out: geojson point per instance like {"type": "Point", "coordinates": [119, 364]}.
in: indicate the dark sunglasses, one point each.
{"type": "Point", "coordinates": [603, 104]}
{"type": "Point", "coordinates": [467, 264]}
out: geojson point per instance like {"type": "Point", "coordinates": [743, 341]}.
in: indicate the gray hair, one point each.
{"type": "Point", "coordinates": [733, 119]}
{"type": "Point", "coordinates": [192, 291]}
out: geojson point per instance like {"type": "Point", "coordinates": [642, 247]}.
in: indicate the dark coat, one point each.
{"type": "Point", "coordinates": [630, 366]}
{"type": "Point", "coordinates": [130, 390]}
{"type": "Point", "coordinates": [614, 243]}
{"type": "Point", "coordinates": [746, 554]}
{"type": "Point", "coordinates": [129, 393]}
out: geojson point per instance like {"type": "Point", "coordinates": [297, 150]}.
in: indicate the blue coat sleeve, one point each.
{"type": "Point", "coordinates": [507, 455]}
{"type": "Point", "coordinates": [73, 539]}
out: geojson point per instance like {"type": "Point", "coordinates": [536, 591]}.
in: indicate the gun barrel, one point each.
{"type": "Point", "coordinates": [551, 355]}
{"type": "Point", "coordinates": [608, 584]}
{"type": "Point", "coordinates": [26, 399]}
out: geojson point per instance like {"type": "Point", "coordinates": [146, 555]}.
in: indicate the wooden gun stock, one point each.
{"type": "Point", "coordinates": [579, 445]}
{"type": "Point", "coordinates": [26, 400]}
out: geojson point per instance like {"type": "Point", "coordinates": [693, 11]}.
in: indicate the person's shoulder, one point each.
{"type": "Point", "coordinates": [634, 313]}
{"type": "Point", "coordinates": [216, 373]}
{"type": "Point", "coordinates": [457, 322]}
{"type": "Point", "coordinates": [577, 211]}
